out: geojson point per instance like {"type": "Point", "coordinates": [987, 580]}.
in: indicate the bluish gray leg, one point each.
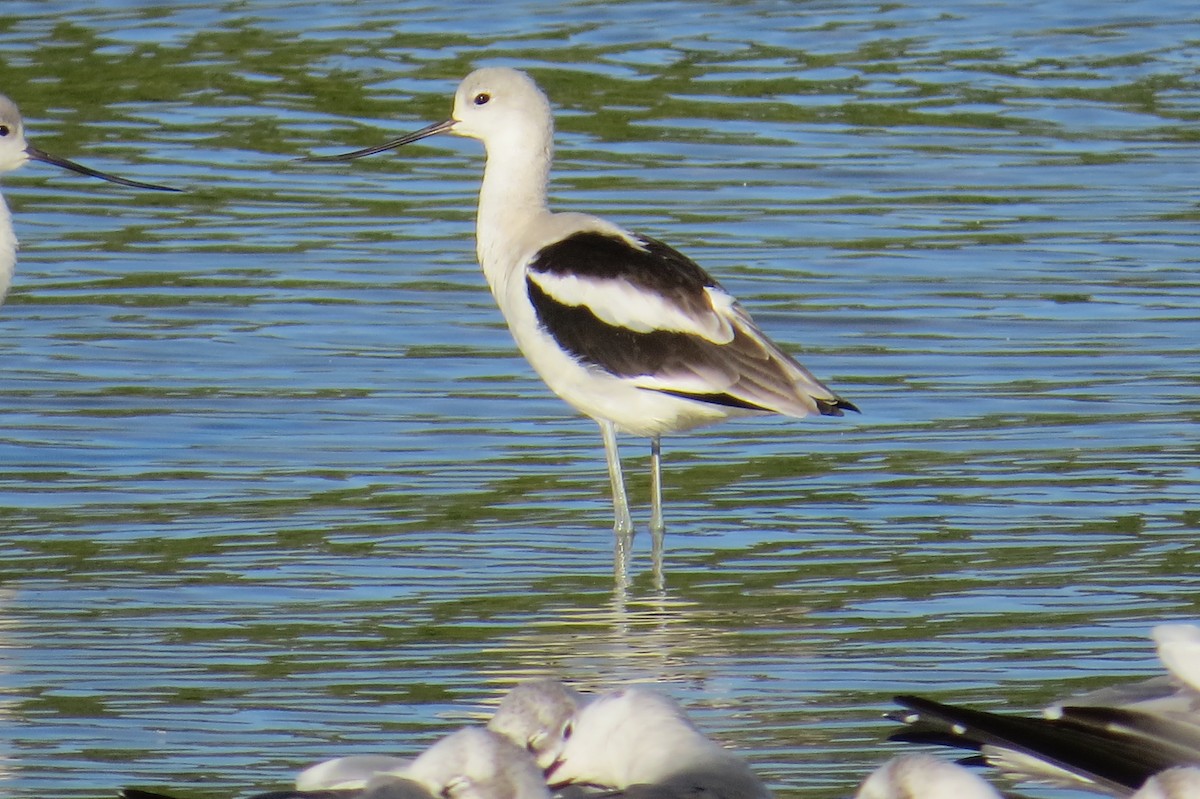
{"type": "Point", "coordinates": [622, 522]}
{"type": "Point", "coordinates": [657, 526]}
{"type": "Point", "coordinates": [656, 510]}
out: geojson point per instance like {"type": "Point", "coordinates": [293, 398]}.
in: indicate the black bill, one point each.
{"type": "Point", "coordinates": [416, 135]}
{"type": "Point", "coordinates": [38, 155]}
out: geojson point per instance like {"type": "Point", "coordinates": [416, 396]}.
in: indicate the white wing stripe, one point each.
{"type": "Point", "coordinates": [622, 304]}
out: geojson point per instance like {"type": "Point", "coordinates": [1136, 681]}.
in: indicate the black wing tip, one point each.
{"type": "Point", "coordinates": [725, 400]}
{"type": "Point", "coordinates": [836, 406]}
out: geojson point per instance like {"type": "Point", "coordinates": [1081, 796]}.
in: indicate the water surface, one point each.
{"type": "Point", "coordinates": [277, 485]}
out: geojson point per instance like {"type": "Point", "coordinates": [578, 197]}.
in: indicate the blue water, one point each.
{"type": "Point", "coordinates": [277, 486]}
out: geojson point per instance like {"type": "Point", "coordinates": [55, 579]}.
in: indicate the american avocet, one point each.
{"type": "Point", "coordinates": [472, 763]}
{"type": "Point", "coordinates": [619, 325]}
{"type": "Point", "coordinates": [638, 737]}
{"type": "Point", "coordinates": [1114, 739]}
{"type": "Point", "coordinates": [926, 777]}
{"type": "Point", "coordinates": [15, 151]}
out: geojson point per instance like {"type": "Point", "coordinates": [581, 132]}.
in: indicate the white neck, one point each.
{"type": "Point", "coordinates": [8, 249]}
{"type": "Point", "coordinates": [512, 198]}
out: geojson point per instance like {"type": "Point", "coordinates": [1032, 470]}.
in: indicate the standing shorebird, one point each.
{"type": "Point", "coordinates": [625, 329]}
{"type": "Point", "coordinates": [14, 153]}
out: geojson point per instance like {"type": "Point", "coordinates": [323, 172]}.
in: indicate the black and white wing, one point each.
{"type": "Point", "coordinates": [1117, 749]}
{"type": "Point", "coordinates": [640, 310]}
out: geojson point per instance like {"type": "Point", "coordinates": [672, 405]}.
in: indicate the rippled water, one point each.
{"type": "Point", "coordinates": [277, 486]}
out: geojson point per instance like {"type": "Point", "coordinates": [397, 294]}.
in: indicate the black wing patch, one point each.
{"type": "Point", "coordinates": [619, 350]}
{"type": "Point", "coordinates": [744, 361]}
{"type": "Point", "coordinates": [1113, 757]}
{"type": "Point", "coordinates": [626, 353]}
{"type": "Point", "coordinates": [657, 269]}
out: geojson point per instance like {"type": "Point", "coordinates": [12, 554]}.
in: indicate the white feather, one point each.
{"type": "Point", "coordinates": [347, 773]}
{"type": "Point", "coordinates": [638, 737]}
{"type": "Point", "coordinates": [1179, 651]}
{"type": "Point", "coordinates": [622, 304]}
{"type": "Point", "coordinates": [923, 776]}
{"type": "Point", "coordinates": [1174, 783]}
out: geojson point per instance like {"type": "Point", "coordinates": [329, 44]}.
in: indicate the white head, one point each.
{"type": "Point", "coordinates": [1179, 650]}
{"type": "Point", "coordinates": [502, 107]}
{"type": "Point", "coordinates": [15, 151]}
{"type": "Point", "coordinates": [475, 763]}
{"type": "Point", "coordinates": [533, 714]}
{"type": "Point", "coordinates": [12, 136]}
{"type": "Point", "coordinates": [924, 777]}
{"type": "Point", "coordinates": [1174, 783]}
{"type": "Point", "coordinates": [635, 736]}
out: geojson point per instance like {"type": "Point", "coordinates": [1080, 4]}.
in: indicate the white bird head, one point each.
{"type": "Point", "coordinates": [498, 103]}
{"type": "Point", "coordinates": [15, 151]}
{"type": "Point", "coordinates": [533, 714]}
{"type": "Point", "coordinates": [1179, 650]}
{"type": "Point", "coordinates": [637, 736]}
{"type": "Point", "coordinates": [1174, 783]}
{"type": "Point", "coordinates": [924, 776]}
{"type": "Point", "coordinates": [501, 106]}
{"type": "Point", "coordinates": [13, 154]}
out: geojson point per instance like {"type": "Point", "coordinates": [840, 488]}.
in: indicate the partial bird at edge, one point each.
{"type": "Point", "coordinates": [1113, 740]}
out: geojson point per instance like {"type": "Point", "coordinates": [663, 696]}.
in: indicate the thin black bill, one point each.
{"type": "Point", "coordinates": [416, 135]}
{"type": "Point", "coordinates": [38, 155]}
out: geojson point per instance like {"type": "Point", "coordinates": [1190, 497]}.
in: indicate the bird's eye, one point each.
{"type": "Point", "coordinates": [4, 130]}
{"type": "Point", "coordinates": [482, 98]}
{"type": "Point", "coordinates": [568, 728]}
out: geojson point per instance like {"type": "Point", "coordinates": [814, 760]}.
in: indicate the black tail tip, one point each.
{"type": "Point", "coordinates": [836, 406]}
